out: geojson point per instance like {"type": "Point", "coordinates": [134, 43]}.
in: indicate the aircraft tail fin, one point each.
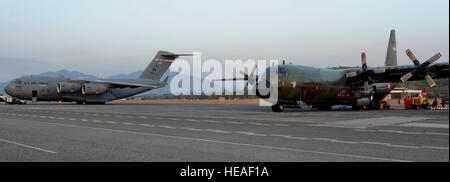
{"type": "Point", "coordinates": [159, 65]}
{"type": "Point", "coordinates": [391, 53]}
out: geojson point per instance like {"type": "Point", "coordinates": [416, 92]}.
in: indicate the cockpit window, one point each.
{"type": "Point", "coordinates": [282, 71]}
{"type": "Point", "coordinates": [17, 82]}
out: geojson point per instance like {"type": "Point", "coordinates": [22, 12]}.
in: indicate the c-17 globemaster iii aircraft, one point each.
{"type": "Point", "coordinates": [37, 88]}
{"type": "Point", "coordinates": [358, 87]}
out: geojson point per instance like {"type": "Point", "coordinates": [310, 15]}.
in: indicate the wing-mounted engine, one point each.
{"type": "Point", "coordinates": [420, 71]}
{"type": "Point", "coordinates": [371, 94]}
{"type": "Point", "coordinates": [94, 88]}
{"type": "Point", "coordinates": [365, 75]}
{"type": "Point", "coordinates": [68, 87]}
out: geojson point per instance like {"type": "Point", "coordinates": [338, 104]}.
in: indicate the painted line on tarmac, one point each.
{"type": "Point", "coordinates": [192, 116]}
{"type": "Point", "coordinates": [189, 116]}
{"type": "Point", "coordinates": [28, 146]}
{"type": "Point", "coordinates": [404, 132]}
{"type": "Point", "coordinates": [166, 126]}
{"type": "Point", "coordinates": [218, 131]}
{"type": "Point", "coordinates": [191, 129]}
{"type": "Point", "coordinates": [357, 142]}
{"type": "Point", "coordinates": [211, 121]}
{"type": "Point", "coordinates": [284, 136]}
{"type": "Point", "coordinates": [337, 126]}
{"type": "Point", "coordinates": [432, 147]}
{"type": "Point", "coordinates": [147, 125]}
{"type": "Point", "coordinates": [249, 133]}
{"type": "Point", "coordinates": [194, 120]}
{"type": "Point", "coordinates": [232, 143]}
{"type": "Point", "coordinates": [425, 125]}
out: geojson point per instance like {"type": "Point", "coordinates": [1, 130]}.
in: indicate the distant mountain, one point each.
{"type": "Point", "coordinates": [69, 74]}
{"type": "Point", "coordinates": [126, 76]}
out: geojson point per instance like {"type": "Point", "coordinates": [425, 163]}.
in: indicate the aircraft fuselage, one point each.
{"type": "Point", "coordinates": [45, 89]}
{"type": "Point", "coordinates": [322, 87]}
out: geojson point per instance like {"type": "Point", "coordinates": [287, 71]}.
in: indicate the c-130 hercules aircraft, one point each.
{"type": "Point", "coordinates": [92, 91]}
{"type": "Point", "coordinates": [358, 87]}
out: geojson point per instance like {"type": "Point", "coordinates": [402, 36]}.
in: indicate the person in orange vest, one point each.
{"type": "Point", "coordinates": [404, 102]}
{"type": "Point", "coordinates": [408, 102]}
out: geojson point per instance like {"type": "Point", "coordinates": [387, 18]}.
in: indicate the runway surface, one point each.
{"type": "Point", "coordinates": [218, 132]}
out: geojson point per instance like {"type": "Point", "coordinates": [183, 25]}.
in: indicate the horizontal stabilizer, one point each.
{"type": "Point", "coordinates": [159, 65]}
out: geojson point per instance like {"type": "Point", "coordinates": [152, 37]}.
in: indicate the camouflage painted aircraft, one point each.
{"type": "Point", "coordinates": [92, 91]}
{"type": "Point", "coordinates": [358, 87]}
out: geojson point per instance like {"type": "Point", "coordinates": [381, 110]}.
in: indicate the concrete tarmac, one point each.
{"type": "Point", "coordinates": [218, 132]}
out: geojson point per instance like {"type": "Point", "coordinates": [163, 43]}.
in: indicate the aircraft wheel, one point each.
{"type": "Point", "coordinates": [79, 102]}
{"type": "Point", "coordinates": [278, 107]}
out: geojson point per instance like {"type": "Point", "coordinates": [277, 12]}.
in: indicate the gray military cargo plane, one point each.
{"type": "Point", "coordinates": [359, 87]}
{"type": "Point", "coordinates": [38, 88]}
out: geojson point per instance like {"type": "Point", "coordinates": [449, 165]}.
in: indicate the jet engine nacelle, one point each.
{"type": "Point", "coordinates": [94, 88]}
{"type": "Point", "coordinates": [68, 87]}
{"type": "Point", "coordinates": [363, 102]}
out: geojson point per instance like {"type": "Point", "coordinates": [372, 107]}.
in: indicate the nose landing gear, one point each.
{"type": "Point", "coordinates": [278, 107]}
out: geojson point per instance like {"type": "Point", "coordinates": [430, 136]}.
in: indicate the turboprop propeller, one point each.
{"type": "Point", "coordinates": [421, 70]}
{"type": "Point", "coordinates": [365, 74]}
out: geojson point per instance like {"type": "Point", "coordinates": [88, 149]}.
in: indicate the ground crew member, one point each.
{"type": "Point", "coordinates": [408, 102]}
{"type": "Point", "coordinates": [435, 103]}
{"type": "Point", "coordinates": [405, 100]}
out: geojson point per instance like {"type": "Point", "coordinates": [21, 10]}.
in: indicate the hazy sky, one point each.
{"type": "Point", "coordinates": [110, 37]}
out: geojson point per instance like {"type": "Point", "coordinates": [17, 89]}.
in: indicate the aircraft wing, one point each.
{"type": "Point", "coordinates": [125, 84]}
{"type": "Point", "coordinates": [120, 84]}
{"type": "Point", "coordinates": [388, 74]}
{"type": "Point", "coordinates": [230, 79]}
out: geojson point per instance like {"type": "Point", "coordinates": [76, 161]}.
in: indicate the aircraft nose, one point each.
{"type": "Point", "coordinates": [7, 89]}
{"type": "Point", "coordinates": [263, 89]}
